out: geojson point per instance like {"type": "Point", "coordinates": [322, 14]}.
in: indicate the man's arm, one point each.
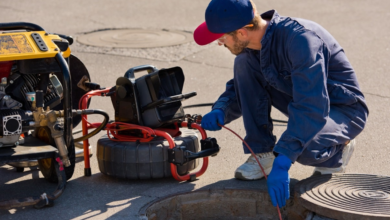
{"type": "Point", "coordinates": [227, 102]}
{"type": "Point", "coordinates": [307, 112]}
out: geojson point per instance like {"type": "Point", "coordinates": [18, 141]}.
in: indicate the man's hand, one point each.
{"type": "Point", "coordinates": [211, 120]}
{"type": "Point", "coordinates": [278, 181]}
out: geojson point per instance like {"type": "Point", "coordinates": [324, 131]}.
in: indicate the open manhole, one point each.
{"type": "Point", "coordinates": [346, 196]}
{"type": "Point", "coordinates": [135, 38]}
{"type": "Point", "coordinates": [226, 204]}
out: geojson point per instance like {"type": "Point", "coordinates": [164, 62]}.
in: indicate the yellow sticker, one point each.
{"type": "Point", "coordinates": [14, 44]}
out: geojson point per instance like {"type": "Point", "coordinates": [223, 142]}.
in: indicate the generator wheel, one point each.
{"type": "Point", "coordinates": [46, 166]}
{"type": "Point", "coordinates": [135, 160]}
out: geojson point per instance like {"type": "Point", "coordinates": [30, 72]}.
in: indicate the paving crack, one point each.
{"type": "Point", "coordinates": [10, 8]}
{"type": "Point", "coordinates": [381, 96]}
{"type": "Point", "coordinates": [91, 20]}
{"type": "Point", "coordinates": [149, 196]}
{"type": "Point", "coordinates": [206, 64]}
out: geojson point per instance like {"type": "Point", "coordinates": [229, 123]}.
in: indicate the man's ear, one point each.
{"type": "Point", "coordinates": [242, 34]}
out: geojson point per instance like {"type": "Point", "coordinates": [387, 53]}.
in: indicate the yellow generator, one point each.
{"type": "Point", "coordinates": [38, 75]}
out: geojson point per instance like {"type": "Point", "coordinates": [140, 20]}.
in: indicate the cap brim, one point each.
{"type": "Point", "coordinates": [203, 36]}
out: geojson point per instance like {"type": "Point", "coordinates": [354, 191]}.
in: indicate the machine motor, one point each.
{"type": "Point", "coordinates": [17, 91]}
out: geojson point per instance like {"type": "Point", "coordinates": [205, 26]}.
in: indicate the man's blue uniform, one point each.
{"type": "Point", "coordinates": [302, 71]}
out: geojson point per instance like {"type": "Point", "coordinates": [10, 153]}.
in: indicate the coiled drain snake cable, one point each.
{"type": "Point", "coordinates": [253, 154]}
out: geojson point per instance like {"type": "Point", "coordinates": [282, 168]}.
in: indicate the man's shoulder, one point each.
{"type": "Point", "coordinates": [288, 27]}
{"type": "Point", "coordinates": [287, 23]}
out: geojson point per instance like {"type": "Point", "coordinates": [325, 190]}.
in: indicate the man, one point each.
{"type": "Point", "coordinates": [296, 66]}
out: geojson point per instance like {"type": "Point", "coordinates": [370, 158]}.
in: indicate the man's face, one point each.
{"type": "Point", "coordinates": [231, 41]}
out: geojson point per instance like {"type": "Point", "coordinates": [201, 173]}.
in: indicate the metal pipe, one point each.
{"type": "Point", "coordinates": [60, 143]}
{"type": "Point", "coordinates": [67, 98]}
{"type": "Point", "coordinates": [20, 25]}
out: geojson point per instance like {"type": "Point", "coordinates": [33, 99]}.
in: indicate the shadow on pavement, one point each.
{"type": "Point", "coordinates": [100, 196]}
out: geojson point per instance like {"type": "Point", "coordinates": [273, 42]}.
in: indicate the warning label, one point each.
{"type": "Point", "coordinates": [14, 44]}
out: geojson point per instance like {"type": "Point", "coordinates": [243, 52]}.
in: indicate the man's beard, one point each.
{"type": "Point", "coordinates": [238, 46]}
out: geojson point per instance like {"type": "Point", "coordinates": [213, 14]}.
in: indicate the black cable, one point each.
{"type": "Point", "coordinates": [211, 104]}
{"type": "Point", "coordinates": [280, 121]}
{"type": "Point", "coordinates": [101, 127]}
{"type": "Point", "coordinates": [81, 130]}
{"type": "Point", "coordinates": [199, 105]}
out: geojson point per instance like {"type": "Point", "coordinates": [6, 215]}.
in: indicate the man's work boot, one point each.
{"type": "Point", "coordinates": [346, 156]}
{"type": "Point", "coordinates": [251, 170]}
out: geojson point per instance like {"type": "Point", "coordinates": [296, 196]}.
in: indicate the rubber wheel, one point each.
{"type": "Point", "coordinates": [135, 160]}
{"type": "Point", "coordinates": [46, 166]}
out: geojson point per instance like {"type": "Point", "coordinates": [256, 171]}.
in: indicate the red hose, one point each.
{"type": "Point", "coordinates": [253, 154]}
{"type": "Point", "coordinates": [113, 128]}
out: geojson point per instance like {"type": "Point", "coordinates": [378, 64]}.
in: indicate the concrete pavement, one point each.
{"type": "Point", "coordinates": [360, 26]}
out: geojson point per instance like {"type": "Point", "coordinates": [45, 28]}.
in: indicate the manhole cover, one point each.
{"type": "Point", "coordinates": [135, 38]}
{"type": "Point", "coordinates": [226, 204]}
{"type": "Point", "coordinates": [346, 196]}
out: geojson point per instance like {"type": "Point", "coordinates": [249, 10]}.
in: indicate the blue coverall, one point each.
{"type": "Point", "coordinates": [303, 72]}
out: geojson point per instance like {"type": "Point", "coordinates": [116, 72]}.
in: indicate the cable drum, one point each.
{"type": "Point", "coordinates": [346, 196]}
{"type": "Point", "coordinates": [147, 160]}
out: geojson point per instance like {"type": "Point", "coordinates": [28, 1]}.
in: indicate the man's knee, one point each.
{"type": "Point", "coordinates": [318, 156]}
{"type": "Point", "coordinates": [307, 158]}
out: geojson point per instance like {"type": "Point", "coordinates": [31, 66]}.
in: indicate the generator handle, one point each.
{"type": "Point", "coordinates": [20, 25]}
{"type": "Point", "coordinates": [66, 37]}
{"type": "Point", "coordinates": [130, 73]}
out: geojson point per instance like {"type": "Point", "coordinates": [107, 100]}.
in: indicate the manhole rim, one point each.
{"type": "Point", "coordinates": [142, 213]}
{"type": "Point", "coordinates": [187, 34]}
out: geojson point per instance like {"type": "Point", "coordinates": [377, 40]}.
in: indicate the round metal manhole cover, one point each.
{"type": "Point", "coordinates": [346, 196]}
{"type": "Point", "coordinates": [135, 38]}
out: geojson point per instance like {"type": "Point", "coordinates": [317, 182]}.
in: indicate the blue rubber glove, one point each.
{"type": "Point", "coordinates": [211, 120]}
{"type": "Point", "coordinates": [278, 181]}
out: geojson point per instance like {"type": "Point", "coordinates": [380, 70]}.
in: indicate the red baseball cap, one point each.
{"type": "Point", "coordinates": [203, 36]}
{"type": "Point", "coordinates": [223, 16]}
